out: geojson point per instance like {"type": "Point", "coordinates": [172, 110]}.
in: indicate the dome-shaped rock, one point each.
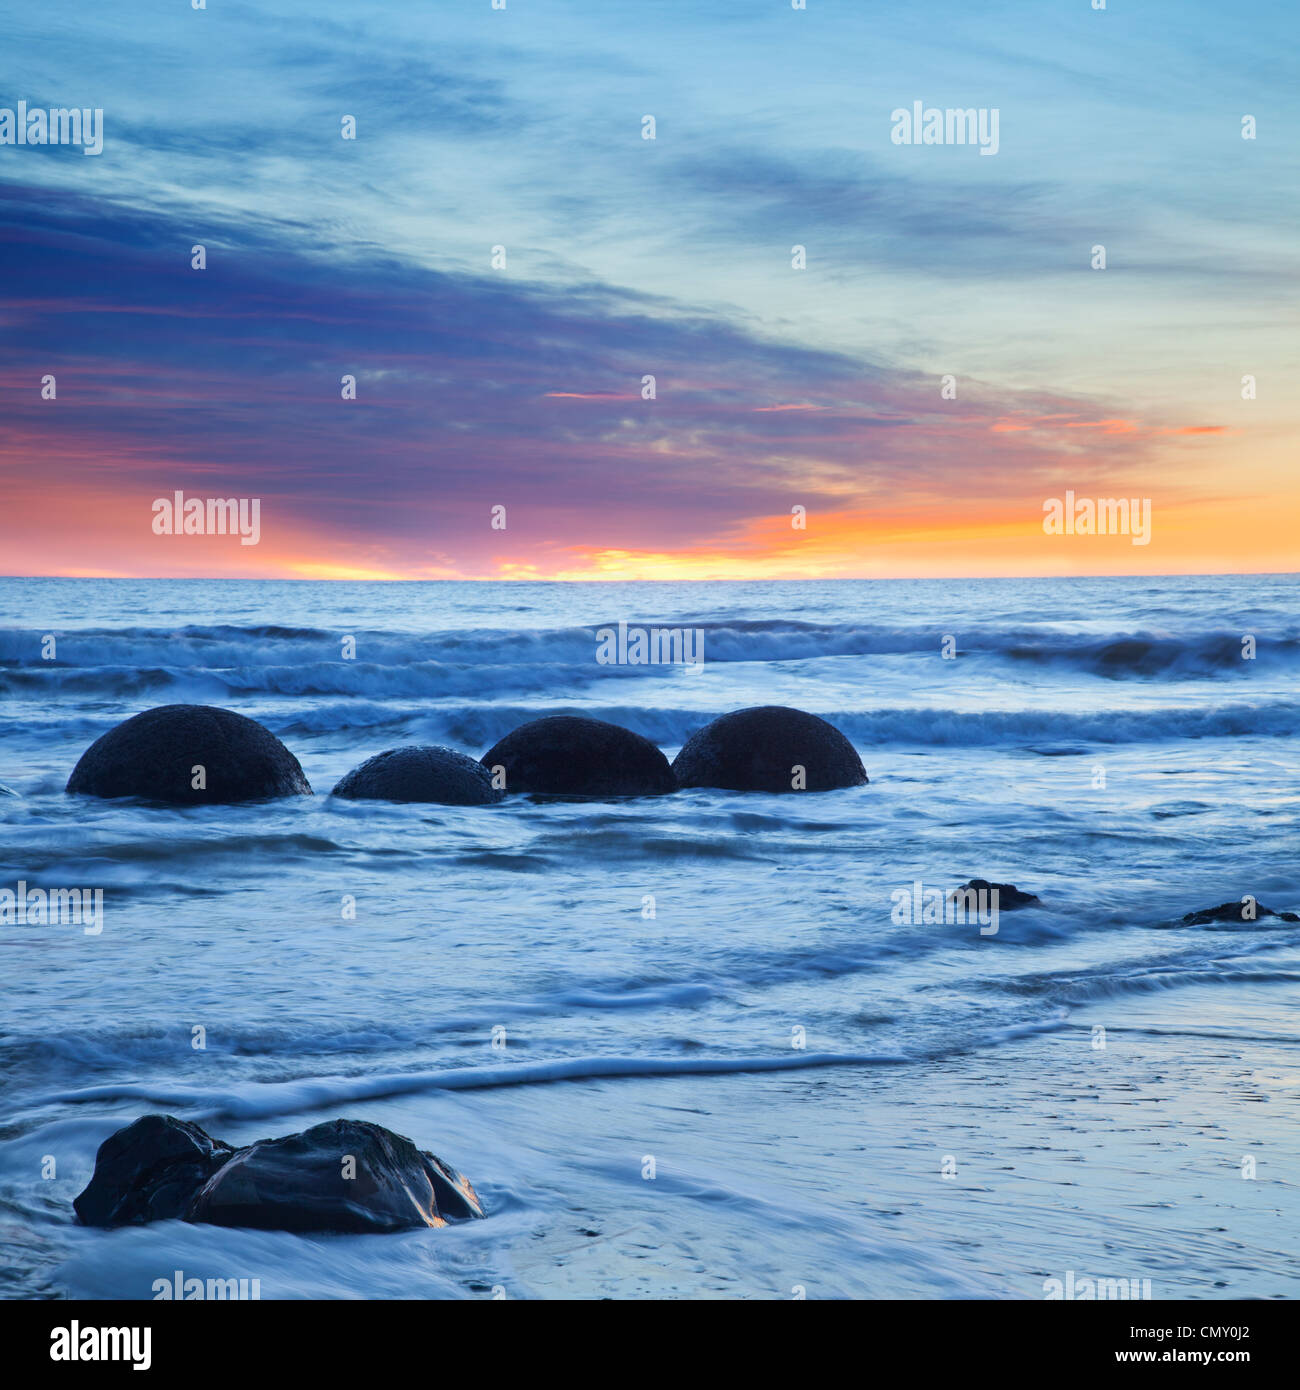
{"type": "Point", "coordinates": [769, 748]}
{"type": "Point", "coordinates": [191, 755]}
{"type": "Point", "coordinates": [427, 773]}
{"type": "Point", "coordinates": [567, 755]}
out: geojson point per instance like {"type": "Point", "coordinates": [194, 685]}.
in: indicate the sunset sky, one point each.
{"type": "Point", "coordinates": [776, 387]}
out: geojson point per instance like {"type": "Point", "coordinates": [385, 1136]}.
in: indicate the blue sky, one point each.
{"type": "Point", "coordinates": [522, 127]}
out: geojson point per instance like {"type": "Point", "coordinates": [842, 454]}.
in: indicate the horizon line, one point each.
{"type": "Point", "coordinates": [538, 579]}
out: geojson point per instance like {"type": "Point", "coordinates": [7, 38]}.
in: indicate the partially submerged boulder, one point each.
{"type": "Point", "coordinates": [1246, 911]}
{"type": "Point", "coordinates": [769, 748]}
{"type": "Point", "coordinates": [149, 1171]}
{"type": "Point", "coordinates": [344, 1176]}
{"type": "Point", "coordinates": [569, 755]}
{"type": "Point", "coordinates": [189, 755]}
{"type": "Point", "coordinates": [426, 773]}
{"type": "Point", "coordinates": [1009, 896]}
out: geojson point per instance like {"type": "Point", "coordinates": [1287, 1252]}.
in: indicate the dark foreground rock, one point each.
{"type": "Point", "coordinates": [428, 773]}
{"type": "Point", "coordinates": [155, 755]}
{"type": "Point", "coordinates": [149, 1171]}
{"type": "Point", "coordinates": [759, 749]}
{"type": "Point", "coordinates": [1246, 912]}
{"type": "Point", "coordinates": [566, 755]}
{"type": "Point", "coordinates": [1009, 896]}
{"type": "Point", "coordinates": [347, 1176]}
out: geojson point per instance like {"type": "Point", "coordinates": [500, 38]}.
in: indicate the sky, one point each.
{"type": "Point", "coordinates": [945, 362]}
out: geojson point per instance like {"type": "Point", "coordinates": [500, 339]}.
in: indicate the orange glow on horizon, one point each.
{"type": "Point", "coordinates": [1186, 539]}
{"type": "Point", "coordinates": [1194, 538]}
{"type": "Point", "coordinates": [103, 533]}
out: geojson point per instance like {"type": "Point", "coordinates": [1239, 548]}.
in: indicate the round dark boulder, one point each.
{"type": "Point", "coordinates": [760, 750]}
{"type": "Point", "coordinates": [566, 755]}
{"type": "Point", "coordinates": [425, 773]}
{"type": "Point", "coordinates": [155, 755]}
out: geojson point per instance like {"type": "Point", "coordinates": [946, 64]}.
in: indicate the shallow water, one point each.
{"type": "Point", "coordinates": [797, 1064]}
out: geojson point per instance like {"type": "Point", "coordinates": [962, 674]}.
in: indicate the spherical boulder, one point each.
{"type": "Point", "coordinates": [567, 755]}
{"type": "Point", "coordinates": [190, 755]}
{"type": "Point", "coordinates": [428, 773]}
{"type": "Point", "coordinates": [769, 748]}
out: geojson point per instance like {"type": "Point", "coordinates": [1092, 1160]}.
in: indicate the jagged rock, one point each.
{"type": "Point", "coordinates": [301, 1183]}
{"type": "Point", "coordinates": [427, 773]}
{"type": "Point", "coordinates": [1235, 912]}
{"type": "Point", "coordinates": [344, 1176]}
{"type": "Point", "coordinates": [759, 749]}
{"type": "Point", "coordinates": [1009, 896]}
{"type": "Point", "coordinates": [155, 754]}
{"type": "Point", "coordinates": [149, 1171]}
{"type": "Point", "coordinates": [568, 755]}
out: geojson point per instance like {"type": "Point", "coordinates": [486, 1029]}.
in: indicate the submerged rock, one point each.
{"type": "Point", "coordinates": [1247, 912]}
{"type": "Point", "coordinates": [567, 755]}
{"type": "Point", "coordinates": [344, 1176]}
{"type": "Point", "coordinates": [426, 773]}
{"type": "Point", "coordinates": [149, 1171]}
{"type": "Point", "coordinates": [760, 749]}
{"type": "Point", "coordinates": [163, 752]}
{"type": "Point", "coordinates": [1009, 896]}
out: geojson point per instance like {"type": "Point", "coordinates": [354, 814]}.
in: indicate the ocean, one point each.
{"type": "Point", "coordinates": [684, 1047]}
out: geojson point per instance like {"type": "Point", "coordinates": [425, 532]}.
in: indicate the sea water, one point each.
{"type": "Point", "coordinates": [683, 1046]}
